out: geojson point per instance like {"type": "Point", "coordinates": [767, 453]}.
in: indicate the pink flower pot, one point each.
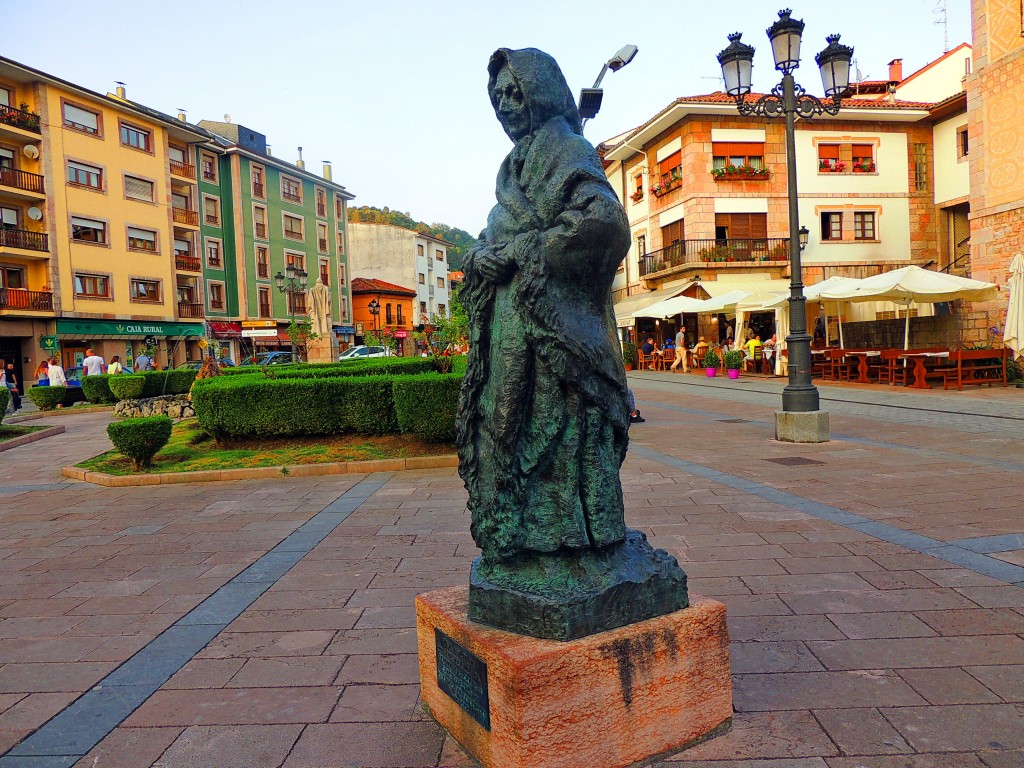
{"type": "Point", "coordinates": [711, 372]}
{"type": "Point", "coordinates": [734, 373]}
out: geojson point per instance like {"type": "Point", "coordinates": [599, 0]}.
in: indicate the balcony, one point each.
{"type": "Point", "coordinates": [321, 210]}
{"type": "Point", "coordinates": [24, 181]}
{"type": "Point", "coordinates": [19, 118]}
{"type": "Point", "coordinates": [185, 216]}
{"type": "Point", "coordinates": [32, 301]}
{"type": "Point", "coordinates": [294, 197]}
{"type": "Point", "coordinates": [188, 263]}
{"type": "Point", "coordinates": [184, 170]}
{"type": "Point", "coordinates": [24, 240]}
{"type": "Point", "coordinates": [741, 251]}
{"type": "Point", "coordinates": [212, 218]}
{"type": "Point", "coordinates": [190, 309]}
{"type": "Point", "coordinates": [261, 230]}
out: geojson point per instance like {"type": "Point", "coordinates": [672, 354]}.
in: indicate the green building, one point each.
{"type": "Point", "coordinates": [258, 216]}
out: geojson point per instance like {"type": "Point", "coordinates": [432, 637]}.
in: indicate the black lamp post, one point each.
{"type": "Point", "coordinates": [789, 100]}
{"type": "Point", "coordinates": [590, 98]}
{"type": "Point", "coordinates": [292, 283]}
{"type": "Point", "coordinates": [374, 307]}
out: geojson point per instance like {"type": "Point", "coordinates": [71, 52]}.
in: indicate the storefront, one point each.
{"type": "Point", "coordinates": [225, 339]}
{"type": "Point", "coordinates": [127, 338]}
{"type": "Point", "coordinates": [346, 335]}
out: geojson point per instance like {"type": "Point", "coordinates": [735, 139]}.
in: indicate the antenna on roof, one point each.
{"type": "Point", "coordinates": [941, 11]}
{"type": "Point", "coordinates": [717, 78]}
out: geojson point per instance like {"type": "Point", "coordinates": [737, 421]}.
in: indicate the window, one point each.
{"type": "Point", "coordinates": [79, 119]}
{"type": "Point", "coordinates": [258, 182]}
{"type": "Point", "coordinates": [291, 189]}
{"type": "Point", "coordinates": [216, 295]}
{"type": "Point", "coordinates": [399, 315]}
{"type": "Point", "coordinates": [182, 247]}
{"type": "Point", "coordinates": [341, 274]}
{"type": "Point", "coordinates": [343, 303]}
{"type": "Point", "coordinates": [8, 218]}
{"type": "Point", "coordinates": [211, 210]}
{"type": "Point", "coordinates": [137, 138]}
{"type": "Point", "coordinates": [296, 303]}
{"type": "Point", "coordinates": [264, 302]}
{"type": "Point", "coordinates": [262, 262]}
{"type": "Point", "coordinates": [863, 158]}
{"type": "Point", "coordinates": [297, 260]}
{"type": "Point", "coordinates": [831, 226]}
{"type": "Point", "coordinates": [440, 282]}
{"type": "Point", "coordinates": [341, 243]}
{"type": "Point", "coordinates": [5, 97]}
{"type": "Point", "coordinates": [293, 227]}
{"type": "Point", "coordinates": [739, 153]}
{"type": "Point", "coordinates": [321, 237]}
{"type": "Point", "coordinates": [920, 167]}
{"type": "Point", "coordinates": [88, 230]}
{"type": "Point", "coordinates": [213, 259]}
{"type": "Point", "coordinates": [145, 290]}
{"type": "Point", "coordinates": [179, 201]}
{"type": "Point", "coordinates": [423, 308]}
{"type": "Point", "coordinates": [669, 167]}
{"type": "Point", "coordinates": [82, 175]}
{"type": "Point", "coordinates": [339, 208]}
{"type": "Point", "coordinates": [138, 189]}
{"type": "Point", "coordinates": [186, 293]}
{"type": "Point", "coordinates": [92, 286]}
{"type": "Point", "coordinates": [325, 271]}
{"type": "Point", "coordinates": [828, 159]}
{"type": "Point", "coordinates": [439, 255]}
{"type": "Point", "coordinates": [441, 310]}
{"type": "Point", "coordinates": [864, 225]}
{"type": "Point", "coordinates": [387, 314]}
{"type": "Point", "coordinates": [259, 216]}
{"type": "Point", "coordinates": [209, 166]}
{"type": "Point", "coordinates": [419, 250]}
{"type": "Point", "coordinates": [321, 203]}
{"type": "Point", "coordinates": [176, 154]}
{"type": "Point", "coordinates": [7, 159]}
{"type": "Point", "coordinates": [638, 187]}
{"type": "Point", "coordinates": [141, 239]}
{"type": "Point", "coordinates": [12, 277]}
{"type": "Point", "coordinates": [962, 144]}
{"type": "Point", "coordinates": [423, 279]}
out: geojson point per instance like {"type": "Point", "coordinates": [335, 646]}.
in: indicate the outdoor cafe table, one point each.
{"type": "Point", "coordinates": [919, 358]}
{"type": "Point", "coordinates": [862, 363]}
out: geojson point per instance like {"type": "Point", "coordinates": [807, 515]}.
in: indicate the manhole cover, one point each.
{"type": "Point", "coordinates": [795, 461]}
{"type": "Point", "coordinates": [733, 421]}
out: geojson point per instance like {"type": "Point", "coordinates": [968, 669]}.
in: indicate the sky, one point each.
{"type": "Point", "coordinates": [394, 92]}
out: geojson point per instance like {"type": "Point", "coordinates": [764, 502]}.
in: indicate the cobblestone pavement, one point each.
{"type": "Point", "coordinates": [871, 584]}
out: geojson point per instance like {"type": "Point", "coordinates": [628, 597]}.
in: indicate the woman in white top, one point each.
{"type": "Point", "coordinates": [57, 377]}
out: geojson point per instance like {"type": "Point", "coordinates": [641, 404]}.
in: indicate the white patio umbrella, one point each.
{"type": "Point", "coordinates": [908, 285]}
{"type": "Point", "coordinates": [669, 307]}
{"type": "Point", "coordinates": [813, 293]}
{"type": "Point", "coordinates": [1013, 333]}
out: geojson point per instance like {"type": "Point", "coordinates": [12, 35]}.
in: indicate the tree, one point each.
{"type": "Point", "coordinates": [446, 334]}
{"type": "Point", "coordinates": [301, 333]}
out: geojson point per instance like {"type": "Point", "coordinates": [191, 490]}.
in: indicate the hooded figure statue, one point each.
{"type": "Point", "coordinates": [544, 415]}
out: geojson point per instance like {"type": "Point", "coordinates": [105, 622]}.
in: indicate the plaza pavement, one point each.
{"type": "Point", "coordinates": [873, 583]}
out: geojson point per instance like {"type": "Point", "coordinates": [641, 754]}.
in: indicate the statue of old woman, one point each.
{"type": "Point", "coordinates": [544, 420]}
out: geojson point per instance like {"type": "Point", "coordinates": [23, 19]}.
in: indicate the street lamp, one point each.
{"type": "Point", "coordinates": [374, 307]}
{"type": "Point", "coordinates": [590, 98]}
{"type": "Point", "coordinates": [292, 283]}
{"type": "Point", "coordinates": [789, 100]}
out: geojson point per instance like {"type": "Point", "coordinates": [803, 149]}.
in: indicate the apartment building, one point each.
{"type": "Point", "coordinates": [706, 194]}
{"type": "Point", "coordinates": [383, 306]}
{"type": "Point", "coordinates": [87, 222]}
{"type": "Point", "coordinates": [408, 258]}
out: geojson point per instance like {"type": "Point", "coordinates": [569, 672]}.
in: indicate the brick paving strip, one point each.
{"type": "Point", "coordinates": [72, 733]}
{"type": "Point", "coordinates": [31, 437]}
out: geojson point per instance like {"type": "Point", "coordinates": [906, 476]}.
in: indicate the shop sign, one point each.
{"type": "Point", "coordinates": [401, 333]}
{"type": "Point", "coordinates": [259, 333]}
{"type": "Point", "coordinates": [259, 324]}
{"type": "Point", "coordinates": [49, 343]}
{"type": "Point", "coordinates": [87, 328]}
{"type": "Point", "coordinates": [359, 329]}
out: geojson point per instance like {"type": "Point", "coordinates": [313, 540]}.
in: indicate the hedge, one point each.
{"type": "Point", "coordinates": [48, 398]}
{"type": "Point", "coordinates": [127, 387]}
{"type": "Point", "coordinates": [97, 389]}
{"type": "Point", "coordinates": [140, 439]}
{"type": "Point", "coordinates": [5, 398]}
{"type": "Point", "coordinates": [177, 381]}
{"type": "Point", "coordinates": [255, 406]}
{"type": "Point", "coordinates": [426, 405]}
{"type": "Point", "coordinates": [377, 366]}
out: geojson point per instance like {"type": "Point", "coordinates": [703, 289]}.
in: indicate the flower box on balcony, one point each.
{"type": "Point", "coordinates": [740, 173]}
{"type": "Point", "coordinates": [826, 167]}
{"type": "Point", "coordinates": [863, 167]}
{"type": "Point", "coordinates": [637, 196]}
{"type": "Point", "coordinates": [664, 187]}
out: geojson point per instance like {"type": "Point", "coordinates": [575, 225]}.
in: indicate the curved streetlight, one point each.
{"type": "Point", "coordinates": [374, 307]}
{"type": "Point", "coordinates": [590, 98]}
{"type": "Point", "coordinates": [789, 100]}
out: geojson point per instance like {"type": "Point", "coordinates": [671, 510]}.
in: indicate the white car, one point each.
{"type": "Point", "coordinates": [361, 352]}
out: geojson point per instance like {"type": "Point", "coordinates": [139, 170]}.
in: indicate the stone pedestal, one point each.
{"type": "Point", "coordinates": [609, 699]}
{"type": "Point", "coordinates": [806, 427]}
{"type": "Point", "coordinates": [321, 351]}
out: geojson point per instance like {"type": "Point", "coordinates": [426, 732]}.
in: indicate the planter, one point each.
{"type": "Point", "coordinates": [711, 372]}
{"type": "Point", "coordinates": [742, 177]}
{"type": "Point", "coordinates": [734, 373]}
{"type": "Point", "coordinates": [629, 366]}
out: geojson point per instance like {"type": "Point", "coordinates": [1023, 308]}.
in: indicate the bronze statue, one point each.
{"type": "Point", "coordinates": [544, 412]}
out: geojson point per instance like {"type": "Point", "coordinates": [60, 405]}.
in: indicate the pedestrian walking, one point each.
{"type": "Point", "coordinates": [42, 374]}
{"type": "Point", "coordinates": [56, 373]}
{"type": "Point", "coordinates": [115, 365]}
{"type": "Point", "coordinates": [10, 380]}
{"type": "Point", "coordinates": [93, 364]}
{"type": "Point", "coordinates": [143, 362]}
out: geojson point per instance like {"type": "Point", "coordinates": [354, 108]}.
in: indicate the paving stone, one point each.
{"type": "Point", "coordinates": [957, 760]}
{"type": "Point", "coordinates": [764, 735]}
{"type": "Point", "coordinates": [236, 746]}
{"type": "Point", "coordinates": [819, 690]}
{"type": "Point", "coordinates": [369, 745]}
{"type": "Point", "coordinates": [960, 728]}
{"type": "Point", "coordinates": [997, 621]}
{"type": "Point", "coordinates": [378, 703]}
{"type": "Point", "coordinates": [130, 747]}
{"type": "Point", "coordinates": [235, 706]}
{"type": "Point", "coordinates": [859, 626]}
{"type": "Point", "coordinates": [1005, 680]}
{"type": "Point", "coordinates": [287, 671]}
{"type": "Point", "coordinates": [393, 668]}
{"type": "Point", "coordinates": [948, 686]}
{"type": "Point", "coordinates": [766, 628]}
{"type": "Point", "coordinates": [772, 657]}
{"type": "Point", "coordinates": [861, 732]}
{"type": "Point", "coordinates": [908, 653]}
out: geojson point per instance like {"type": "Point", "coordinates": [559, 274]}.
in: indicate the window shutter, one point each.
{"type": "Point", "coordinates": [81, 116]}
{"type": "Point", "coordinates": [142, 234]}
{"type": "Point", "coordinates": [77, 221]}
{"type": "Point", "coordinates": [670, 162]}
{"type": "Point", "coordinates": [828, 151]}
{"type": "Point", "coordinates": [138, 189]}
{"type": "Point", "coordinates": [737, 148]}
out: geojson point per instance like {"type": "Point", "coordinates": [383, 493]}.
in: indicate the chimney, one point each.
{"type": "Point", "coordinates": [181, 115]}
{"type": "Point", "coordinates": [121, 92]}
{"type": "Point", "coordinates": [327, 169]}
{"type": "Point", "coordinates": [268, 150]}
{"type": "Point", "coordinates": [896, 71]}
{"type": "Point", "coordinates": [298, 163]}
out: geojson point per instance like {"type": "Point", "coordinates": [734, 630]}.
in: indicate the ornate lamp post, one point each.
{"type": "Point", "coordinates": [293, 282]}
{"type": "Point", "coordinates": [374, 307]}
{"type": "Point", "coordinates": [789, 100]}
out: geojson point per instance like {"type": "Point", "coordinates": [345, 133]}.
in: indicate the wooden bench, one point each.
{"type": "Point", "coordinates": [975, 366]}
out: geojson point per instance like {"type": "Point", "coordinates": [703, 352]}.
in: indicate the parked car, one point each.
{"type": "Point", "coordinates": [361, 352]}
{"type": "Point", "coordinates": [273, 358]}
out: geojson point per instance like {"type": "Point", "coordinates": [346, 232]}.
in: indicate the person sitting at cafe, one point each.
{"type": "Point", "coordinates": [648, 349]}
{"type": "Point", "coordinates": [751, 347]}
{"type": "Point", "coordinates": [700, 350]}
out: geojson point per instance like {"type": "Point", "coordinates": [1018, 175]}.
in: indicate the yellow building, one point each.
{"type": "Point", "coordinates": [98, 194]}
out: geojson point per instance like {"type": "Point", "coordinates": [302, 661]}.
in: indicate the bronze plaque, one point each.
{"type": "Point", "coordinates": [463, 676]}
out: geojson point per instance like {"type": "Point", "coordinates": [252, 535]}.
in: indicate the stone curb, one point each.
{"type": "Point", "coordinates": [32, 437]}
{"type": "Point", "coordinates": [57, 412]}
{"type": "Point", "coordinates": [262, 473]}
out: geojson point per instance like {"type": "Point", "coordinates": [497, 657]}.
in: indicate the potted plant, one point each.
{"type": "Point", "coordinates": [733, 363]}
{"type": "Point", "coordinates": [629, 356]}
{"type": "Point", "coordinates": [711, 362]}
{"type": "Point", "coordinates": [637, 196]}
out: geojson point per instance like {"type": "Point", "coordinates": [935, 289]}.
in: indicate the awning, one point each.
{"type": "Point", "coordinates": [223, 330]}
{"type": "Point", "coordinates": [624, 317]}
{"type": "Point", "coordinates": [126, 329]}
{"type": "Point", "coordinates": [764, 286]}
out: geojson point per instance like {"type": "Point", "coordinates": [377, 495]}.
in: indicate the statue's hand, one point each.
{"type": "Point", "coordinates": [494, 266]}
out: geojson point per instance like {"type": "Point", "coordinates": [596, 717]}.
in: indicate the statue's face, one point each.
{"type": "Point", "coordinates": [511, 106]}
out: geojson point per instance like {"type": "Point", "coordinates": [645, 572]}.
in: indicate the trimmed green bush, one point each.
{"type": "Point", "coordinates": [426, 405]}
{"type": "Point", "coordinates": [459, 364]}
{"type": "Point", "coordinates": [177, 381]}
{"type": "Point", "coordinates": [47, 398]}
{"type": "Point", "coordinates": [97, 389]}
{"type": "Point", "coordinates": [127, 387]}
{"type": "Point", "coordinates": [140, 439]}
{"type": "Point", "coordinates": [376, 366]}
{"type": "Point", "coordinates": [5, 398]}
{"type": "Point", "coordinates": [255, 406]}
